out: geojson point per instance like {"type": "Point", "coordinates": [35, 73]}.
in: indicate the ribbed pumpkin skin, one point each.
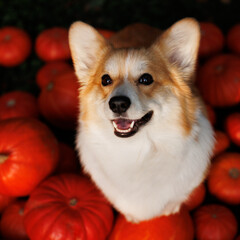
{"type": "Point", "coordinates": [67, 207]}
{"type": "Point", "coordinates": [214, 221]}
{"type": "Point", "coordinates": [29, 152]}
{"type": "Point", "coordinates": [219, 80]}
{"type": "Point", "coordinates": [211, 41]}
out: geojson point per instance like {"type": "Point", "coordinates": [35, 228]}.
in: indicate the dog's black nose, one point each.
{"type": "Point", "coordinates": [119, 104]}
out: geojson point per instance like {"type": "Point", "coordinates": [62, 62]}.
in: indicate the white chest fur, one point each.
{"type": "Point", "coordinates": [149, 174]}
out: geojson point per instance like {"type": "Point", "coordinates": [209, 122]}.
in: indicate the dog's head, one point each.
{"type": "Point", "coordinates": [130, 88]}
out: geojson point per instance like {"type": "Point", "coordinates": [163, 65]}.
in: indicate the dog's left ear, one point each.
{"type": "Point", "coordinates": [179, 45]}
{"type": "Point", "coordinates": [86, 45]}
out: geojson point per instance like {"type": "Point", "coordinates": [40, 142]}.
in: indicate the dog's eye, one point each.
{"type": "Point", "coordinates": [106, 80]}
{"type": "Point", "coordinates": [145, 79]}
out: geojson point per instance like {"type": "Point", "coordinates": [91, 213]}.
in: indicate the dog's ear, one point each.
{"type": "Point", "coordinates": [86, 45]}
{"type": "Point", "coordinates": [179, 45]}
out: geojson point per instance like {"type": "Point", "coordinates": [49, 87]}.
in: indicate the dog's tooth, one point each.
{"type": "Point", "coordinates": [132, 124]}
{"type": "Point", "coordinates": [114, 124]}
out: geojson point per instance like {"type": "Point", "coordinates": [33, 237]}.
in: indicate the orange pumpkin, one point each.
{"type": "Point", "coordinates": [52, 44]}
{"type": "Point", "coordinates": [50, 70]}
{"type": "Point", "coordinates": [222, 142]}
{"type": "Point", "coordinates": [18, 104]}
{"type": "Point", "coordinates": [212, 39]}
{"type": "Point", "coordinates": [219, 80]}
{"type": "Point", "coordinates": [233, 38]}
{"type": "Point", "coordinates": [233, 127]}
{"type": "Point", "coordinates": [15, 46]}
{"type": "Point", "coordinates": [175, 227]}
{"type": "Point", "coordinates": [11, 223]}
{"type": "Point", "coordinates": [196, 197]}
{"type": "Point", "coordinates": [106, 33]}
{"type": "Point", "coordinates": [58, 101]}
{"type": "Point", "coordinates": [215, 221]}
{"type": "Point", "coordinates": [224, 178]}
{"type": "Point", "coordinates": [211, 114]}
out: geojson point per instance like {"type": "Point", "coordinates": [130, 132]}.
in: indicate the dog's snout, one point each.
{"type": "Point", "coordinates": [119, 104]}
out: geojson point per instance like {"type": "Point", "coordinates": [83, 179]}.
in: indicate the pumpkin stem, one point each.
{"type": "Point", "coordinates": [11, 103]}
{"type": "Point", "coordinates": [234, 173]}
{"type": "Point", "coordinates": [7, 37]}
{"type": "Point", "coordinates": [50, 86]}
{"type": "Point", "coordinates": [219, 68]}
{"type": "Point", "coordinates": [3, 158]}
{"type": "Point", "coordinates": [21, 211]}
{"type": "Point", "coordinates": [214, 215]}
{"type": "Point", "coordinates": [73, 202]}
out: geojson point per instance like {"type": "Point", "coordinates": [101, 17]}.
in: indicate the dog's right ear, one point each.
{"type": "Point", "coordinates": [86, 45]}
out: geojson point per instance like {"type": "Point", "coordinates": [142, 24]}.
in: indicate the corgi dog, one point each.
{"type": "Point", "coordinates": [143, 135]}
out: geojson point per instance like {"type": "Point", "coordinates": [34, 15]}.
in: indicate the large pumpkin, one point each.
{"type": "Point", "coordinates": [219, 80]}
{"type": "Point", "coordinates": [67, 206]}
{"type": "Point", "coordinates": [214, 222]}
{"type": "Point", "coordinates": [18, 104]}
{"type": "Point", "coordinates": [50, 70]}
{"type": "Point", "coordinates": [28, 153]}
{"type": "Point", "coordinates": [232, 124]}
{"type": "Point", "coordinates": [52, 44]}
{"type": "Point", "coordinates": [11, 223]}
{"type": "Point", "coordinates": [175, 227]}
{"type": "Point", "coordinates": [15, 46]}
{"type": "Point", "coordinates": [224, 177]}
{"type": "Point", "coordinates": [212, 39]}
{"type": "Point", "coordinates": [58, 101]}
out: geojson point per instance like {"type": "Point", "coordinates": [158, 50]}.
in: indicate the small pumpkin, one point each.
{"type": "Point", "coordinates": [105, 32]}
{"type": "Point", "coordinates": [219, 80]}
{"type": "Point", "coordinates": [232, 124]}
{"type": "Point", "coordinates": [214, 221]}
{"type": "Point", "coordinates": [175, 227]}
{"type": "Point", "coordinates": [67, 206]}
{"type": "Point", "coordinates": [224, 178]}
{"type": "Point", "coordinates": [18, 104]}
{"type": "Point", "coordinates": [196, 198]}
{"type": "Point", "coordinates": [222, 142]}
{"type": "Point", "coordinates": [211, 114]}
{"type": "Point", "coordinates": [15, 46]}
{"type": "Point", "coordinates": [28, 154]}
{"type": "Point", "coordinates": [52, 44]}
{"type": "Point", "coordinates": [50, 70]}
{"type": "Point", "coordinates": [11, 223]}
{"type": "Point", "coordinates": [233, 38]}
{"type": "Point", "coordinates": [58, 101]}
{"type": "Point", "coordinates": [212, 39]}
{"type": "Point", "coordinates": [5, 201]}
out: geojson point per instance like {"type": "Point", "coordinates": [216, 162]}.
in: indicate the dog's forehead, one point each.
{"type": "Point", "coordinates": [125, 63]}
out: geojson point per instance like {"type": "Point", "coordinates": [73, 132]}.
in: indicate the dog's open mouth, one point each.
{"type": "Point", "coordinates": [127, 127]}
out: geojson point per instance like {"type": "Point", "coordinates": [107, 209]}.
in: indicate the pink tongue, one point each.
{"type": "Point", "coordinates": [123, 124]}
